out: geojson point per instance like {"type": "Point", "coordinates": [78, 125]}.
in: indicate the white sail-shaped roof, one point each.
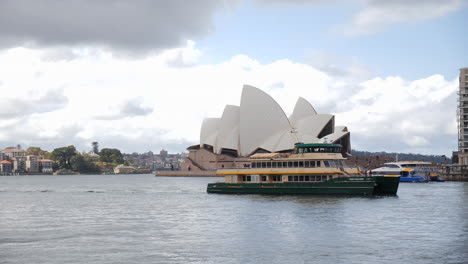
{"type": "Point", "coordinates": [340, 131]}
{"type": "Point", "coordinates": [263, 124]}
{"type": "Point", "coordinates": [260, 123]}
{"type": "Point", "coordinates": [316, 125]}
{"type": "Point", "coordinates": [303, 109]}
{"type": "Point", "coordinates": [228, 129]}
{"type": "Point", "coordinates": [209, 132]}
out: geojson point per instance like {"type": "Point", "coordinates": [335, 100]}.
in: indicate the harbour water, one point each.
{"type": "Point", "coordinates": [147, 219]}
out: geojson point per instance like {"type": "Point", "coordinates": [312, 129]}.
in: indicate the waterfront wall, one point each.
{"type": "Point", "coordinates": [455, 173]}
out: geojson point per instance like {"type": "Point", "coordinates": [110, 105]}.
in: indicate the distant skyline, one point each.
{"type": "Point", "coordinates": [142, 75]}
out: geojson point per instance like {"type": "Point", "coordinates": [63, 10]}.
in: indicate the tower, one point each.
{"type": "Point", "coordinates": [462, 116]}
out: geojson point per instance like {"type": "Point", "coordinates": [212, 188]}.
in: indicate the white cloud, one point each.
{"type": "Point", "coordinates": [378, 15]}
{"type": "Point", "coordinates": [382, 113]}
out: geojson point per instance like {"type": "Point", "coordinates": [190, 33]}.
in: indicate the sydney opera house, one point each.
{"type": "Point", "coordinates": [259, 125]}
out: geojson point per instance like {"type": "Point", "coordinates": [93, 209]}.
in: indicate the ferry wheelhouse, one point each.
{"type": "Point", "coordinates": [410, 171]}
{"type": "Point", "coordinates": [310, 169]}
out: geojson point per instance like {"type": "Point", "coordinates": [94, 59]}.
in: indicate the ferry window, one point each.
{"type": "Point", "coordinates": [264, 178]}
{"type": "Point", "coordinates": [307, 164]}
{"type": "Point", "coordinates": [301, 150]}
{"type": "Point", "coordinates": [324, 177]}
{"type": "Point", "coordinates": [290, 178]}
{"type": "Point", "coordinates": [268, 164]}
{"type": "Point", "coordinates": [307, 178]}
{"type": "Point", "coordinates": [290, 164]}
{"type": "Point", "coordinates": [301, 164]}
{"type": "Point", "coordinates": [285, 164]}
{"type": "Point", "coordinates": [263, 164]}
{"type": "Point", "coordinates": [273, 164]}
{"type": "Point", "coordinates": [280, 164]}
{"type": "Point", "coordinates": [312, 163]}
{"type": "Point", "coordinates": [326, 163]}
{"type": "Point", "coordinates": [296, 164]}
{"type": "Point", "coordinates": [312, 178]}
{"type": "Point", "coordinates": [276, 178]}
{"type": "Point", "coordinates": [318, 163]}
{"type": "Point", "coordinates": [254, 165]}
{"type": "Point", "coordinates": [296, 178]}
{"type": "Point", "coordinates": [246, 178]}
{"type": "Point", "coordinates": [301, 178]}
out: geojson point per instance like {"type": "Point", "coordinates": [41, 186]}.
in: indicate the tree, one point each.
{"type": "Point", "coordinates": [37, 151]}
{"type": "Point", "coordinates": [111, 156]}
{"type": "Point", "coordinates": [79, 163]}
{"type": "Point", "coordinates": [63, 155]}
{"type": "Point", "coordinates": [95, 147]}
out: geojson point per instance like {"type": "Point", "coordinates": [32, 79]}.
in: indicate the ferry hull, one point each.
{"type": "Point", "coordinates": [339, 186]}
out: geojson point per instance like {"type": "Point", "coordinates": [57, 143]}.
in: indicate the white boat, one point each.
{"type": "Point", "coordinates": [409, 171]}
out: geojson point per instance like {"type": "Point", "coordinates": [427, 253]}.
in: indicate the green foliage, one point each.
{"type": "Point", "coordinates": [403, 156]}
{"type": "Point", "coordinates": [95, 146]}
{"type": "Point", "coordinates": [36, 151]}
{"type": "Point", "coordinates": [111, 155]}
{"type": "Point", "coordinates": [82, 164]}
{"type": "Point", "coordinates": [63, 156]}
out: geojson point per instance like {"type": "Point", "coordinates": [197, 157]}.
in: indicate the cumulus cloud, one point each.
{"type": "Point", "coordinates": [382, 113]}
{"type": "Point", "coordinates": [17, 107]}
{"type": "Point", "coordinates": [122, 24]}
{"type": "Point", "coordinates": [378, 15]}
{"type": "Point", "coordinates": [129, 108]}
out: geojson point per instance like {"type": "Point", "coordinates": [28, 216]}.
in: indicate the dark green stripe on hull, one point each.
{"type": "Point", "coordinates": [342, 186]}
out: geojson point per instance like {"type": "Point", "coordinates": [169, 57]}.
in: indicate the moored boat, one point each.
{"type": "Point", "coordinates": [410, 171]}
{"type": "Point", "coordinates": [317, 168]}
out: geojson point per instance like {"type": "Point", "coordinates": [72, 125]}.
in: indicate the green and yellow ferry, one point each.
{"type": "Point", "coordinates": [317, 168]}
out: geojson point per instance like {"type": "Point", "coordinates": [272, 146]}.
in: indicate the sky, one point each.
{"type": "Point", "coordinates": [141, 75]}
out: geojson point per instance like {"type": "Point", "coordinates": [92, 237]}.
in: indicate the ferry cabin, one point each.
{"type": "Point", "coordinates": [307, 163]}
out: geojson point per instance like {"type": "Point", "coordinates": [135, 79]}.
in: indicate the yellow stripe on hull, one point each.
{"type": "Point", "coordinates": [279, 172]}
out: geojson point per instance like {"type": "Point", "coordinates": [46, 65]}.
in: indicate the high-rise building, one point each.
{"type": "Point", "coordinates": [32, 165]}
{"type": "Point", "coordinates": [463, 118]}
